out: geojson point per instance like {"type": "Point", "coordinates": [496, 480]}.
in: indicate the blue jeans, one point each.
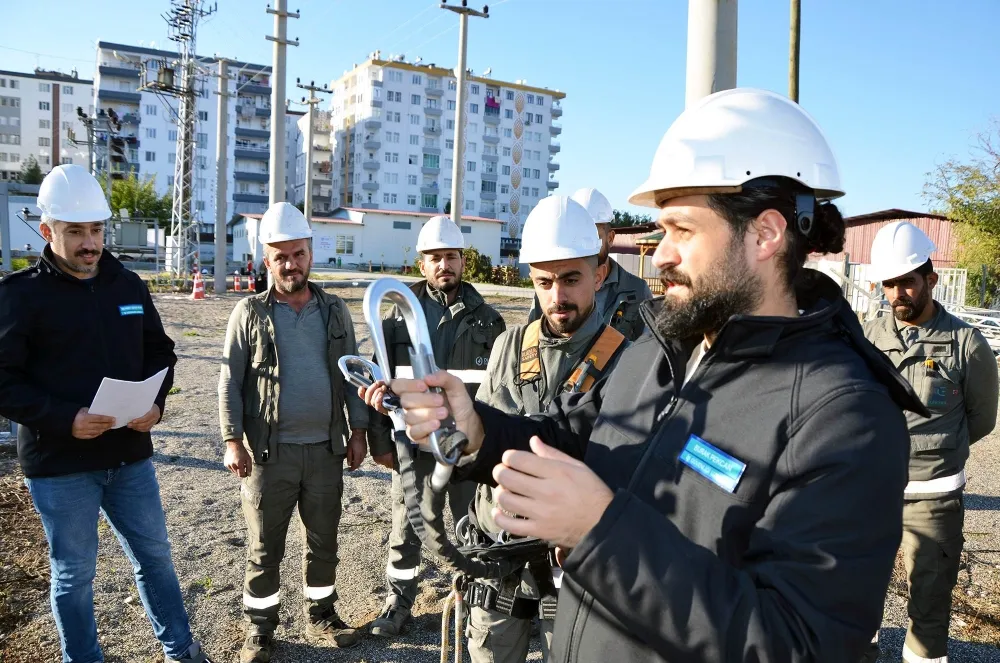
{"type": "Point", "coordinates": [129, 497]}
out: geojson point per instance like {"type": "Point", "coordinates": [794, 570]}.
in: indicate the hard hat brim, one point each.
{"type": "Point", "coordinates": [879, 273]}
{"type": "Point", "coordinates": [79, 217]}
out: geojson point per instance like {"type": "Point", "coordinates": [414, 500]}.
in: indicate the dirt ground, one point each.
{"type": "Point", "coordinates": [207, 532]}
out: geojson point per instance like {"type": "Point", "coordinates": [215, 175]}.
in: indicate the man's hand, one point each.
{"type": "Point", "coordinates": [146, 422]}
{"type": "Point", "coordinates": [385, 460]}
{"type": "Point", "coordinates": [238, 460]}
{"type": "Point", "coordinates": [372, 396]}
{"type": "Point", "coordinates": [357, 448]}
{"type": "Point", "coordinates": [558, 497]}
{"type": "Point", "coordinates": [87, 426]}
{"type": "Point", "coordinates": [425, 409]}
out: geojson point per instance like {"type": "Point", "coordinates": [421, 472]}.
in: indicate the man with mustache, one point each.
{"type": "Point", "coordinates": [463, 329]}
{"type": "Point", "coordinates": [733, 490]}
{"type": "Point", "coordinates": [952, 369]}
{"type": "Point", "coordinates": [74, 318]}
{"type": "Point", "coordinates": [566, 351]}
{"type": "Point", "coordinates": [282, 402]}
{"type": "Point", "coordinates": [621, 291]}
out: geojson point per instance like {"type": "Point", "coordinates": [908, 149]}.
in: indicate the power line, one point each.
{"type": "Point", "coordinates": [407, 22]}
{"type": "Point", "coordinates": [46, 55]}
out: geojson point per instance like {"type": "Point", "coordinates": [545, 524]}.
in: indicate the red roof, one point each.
{"type": "Point", "coordinates": [408, 213]}
{"type": "Point", "coordinates": [315, 219]}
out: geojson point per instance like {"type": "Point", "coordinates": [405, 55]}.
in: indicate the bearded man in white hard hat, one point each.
{"type": "Point", "coordinates": [951, 367]}
{"type": "Point", "coordinates": [621, 291]}
{"type": "Point", "coordinates": [566, 351]}
{"type": "Point", "coordinates": [286, 432]}
{"type": "Point", "coordinates": [74, 318]}
{"type": "Point", "coordinates": [463, 329]}
{"type": "Point", "coordinates": [733, 490]}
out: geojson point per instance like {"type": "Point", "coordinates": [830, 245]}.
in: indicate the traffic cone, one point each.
{"type": "Point", "coordinates": [237, 282]}
{"type": "Point", "coordinates": [198, 292]}
{"type": "Point", "coordinates": [252, 283]}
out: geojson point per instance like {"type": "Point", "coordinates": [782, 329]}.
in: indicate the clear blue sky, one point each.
{"type": "Point", "coordinates": [897, 85]}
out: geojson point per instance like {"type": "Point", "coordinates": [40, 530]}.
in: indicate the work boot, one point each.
{"type": "Point", "coordinates": [328, 628]}
{"type": "Point", "coordinates": [194, 655]}
{"type": "Point", "coordinates": [390, 623]}
{"type": "Point", "coordinates": [257, 648]}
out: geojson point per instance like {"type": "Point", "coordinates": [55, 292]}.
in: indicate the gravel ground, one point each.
{"type": "Point", "coordinates": [208, 532]}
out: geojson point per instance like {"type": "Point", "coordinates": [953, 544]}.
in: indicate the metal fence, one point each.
{"type": "Point", "coordinates": [865, 295]}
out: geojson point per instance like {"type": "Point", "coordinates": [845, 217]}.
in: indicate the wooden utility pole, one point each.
{"type": "Point", "coordinates": [793, 51]}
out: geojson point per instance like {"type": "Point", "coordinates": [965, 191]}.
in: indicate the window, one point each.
{"type": "Point", "coordinates": [537, 175]}
{"type": "Point", "coordinates": [170, 180]}
{"type": "Point", "coordinates": [473, 147]}
{"type": "Point", "coordinates": [414, 140]}
{"type": "Point", "coordinates": [411, 180]}
{"type": "Point", "coordinates": [202, 162]}
{"type": "Point", "coordinates": [44, 142]}
{"type": "Point", "coordinates": [392, 199]}
{"type": "Point", "coordinates": [470, 186]}
{"type": "Point", "coordinates": [447, 184]}
{"type": "Point", "coordinates": [504, 188]}
{"type": "Point", "coordinates": [448, 164]}
{"type": "Point", "coordinates": [172, 135]}
{"type": "Point", "coordinates": [450, 125]}
{"type": "Point", "coordinates": [474, 108]}
{"type": "Point", "coordinates": [124, 86]}
{"type": "Point", "coordinates": [470, 205]}
{"type": "Point", "coordinates": [392, 136]}
{"type": "Point", "coordinates": [416, 79]}
{"type": "Point", "coordinates": [394, 96]}
{"type": "Point", "coordinates": [388, 157]}
{"type": "Point", "coordinates": [508, 133]}
{"type": "Point", "coordinates": [534, 191]}
{"type": "Point", "coordinates": [432, 161]}
{"type": "Point", "coordinates": [200, 183]}
{"type": "Point", "coordinates": [411, 199]}
{"type": "Point", "coordinates": [470, 166]}
{"type": "Point", "coordinates": [488, 187]}
{"type": "Point", "coordinates": [395, 76]}
{"type": "Point", "coordinates": [150, 132]}
{"type": "Point", "coordinates": [202, 141]}
{"type": "Point", "coordinates": [391, 178]}
{"type": "Point", "coordinates": [44, 105]}
{"type": "Point", "coordinates": [414, 118]}
{"type": "Point", "coordinates": [203, 116]}
{"type": "Point", "coordinates": [508, 114]}
{"type": "Point", "coordinates": [385, 198]}
{"type": "Point", "coordinates": [505, 170]}
{"type": "Point", "coordinates": [413, 160]}
{"type": "Point", "coordinates": [150, 156]}
{"type": "Point", "coordinates": [415, 99]}
{"type": "Point", "coordinates": [449, 143]}
{"type": "Point", "coordinates": [430, 141]}
{"type": "Point", "coordinates": [67, 108]}
{"type": "Point", "coordinates": [42, 124]}
{"type": "Point", "coordinates": [401, 225]}
{"type": "Point", "coordinates": [510, 95]}
{"type": "Point", "coordinates": [472, 127]}
{"type": "Point", "coordinates": [540, 100]}
{"type": "Point", "coordinates": [531, 98]}
{"type": "Point", "coordinates": [345, 245]}
{"type": "Point", "coordinates": [200, 205]}
{"type": "Point", "coordinates": [433, 103]}
{"type": "Point", "coordinates": [68, 89]}
{"type": "Point", "coordinates": [506, 151]}
{"type": "Point", "coordinates": [42, 87]}
{"type": "Point", "coordinates": [451, 104]}
{"type": "Point", "coordinates": [150, 109]}
{"type": "Point", "coordinates": [452, 84]}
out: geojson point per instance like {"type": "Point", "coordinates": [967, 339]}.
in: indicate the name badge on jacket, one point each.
{"type": "Point", "coordinates": [714, 464]}
{"type": "Point", "coordinates": [130, 309]}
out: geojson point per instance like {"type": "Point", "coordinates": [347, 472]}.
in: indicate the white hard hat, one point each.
{"type": "Point", "coordinates": [596, 204]}
{"type": "Point", "coordinates": [899, 248]}
{"type": "Point", "coordinates": [283, 222]}
{"type": "Point", "coordinates": [70, 193]}
{"type": "Point", "coordinates": [559, 228]}
{"type": "Point", "coordinates": [734, 136]}
{"type": "Point", "coordinates": [440, 232]}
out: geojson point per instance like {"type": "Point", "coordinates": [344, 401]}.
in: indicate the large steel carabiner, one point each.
{"type": "Point", "coordinates": [363, 373]}
{"type": "Point", "coordinates": [447, 442]}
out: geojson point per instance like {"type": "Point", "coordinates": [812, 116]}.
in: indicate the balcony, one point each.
{"type": "Point", "coordinates": [376, 103]}
{"type": "Point", "coordinates": [432, 131]}
{"type": "Point", "coordinates": [490, 118]}
{"type": "Point", "coordinates": [246, 132]}
{"type": "Point", "coordinates": [432, 150]}
{"type": "Point", "coordinates": [430, 170]}
{"type": "Point", "coordinates": [487, 195]}
{"type": "Point", "coordinates": [122, 72]}
{"type": "Point", "coordinates": [373, 123]}
{"type": "Point", "coordinates": [552, 184]}
{"type": "Point", "coordinates": [319, 175]}
{"type": "Point", "coordinates": [252, 88]}
{"type": "Point", "coordinates": [118, 95]}
{"type": "Point", "coordinates": [320, 147]}
{"type": "Point", "coordinates": [488, 212]}
{"type": "Point", "coordinates": [556, 110]}
{"type": "Point", "coordinates": [369, 186]}
{"type": "Point", "coordinates": [246, 176]}
{"type": "Point", "coordinates": [258, 153]}
{"type": "Point", "coordinates": [509, 245]}
{"type": "Point", "coordinates": [372, 144]}
{"type": "Point", "coordinates": [554, 148]}
{"type": "Point", "coordinates": [434, 91]}
{"type": "Point", "coordinates": [490, 139]}
{"type": "Point", "coordinates": [432, 111]}
{"type": "Point", "coordinates": [262, 111]}
{"type": "Point", "coordinates": [431, 190]}
{"type": "Point", "coordinates": [250, 198]}
{"type": "Point", "coordinates": [371, 164]}
{"type": "Point", "coordinates": [488, 177]}
{"type": "Point", "coordinates": [130, 118]}
{"type": "Point", "coordinates": [492, 158]}
{"type": "Point", "coordinates": [428, 210]}
{"type": "Point", "coordinates": [555, 129]}
{"type": "Point", "coordinates": [369, 205]}
{"type": "Point", "coordinates": [553, 166]}
{"type": "Point", "coordinates": [376, 83]}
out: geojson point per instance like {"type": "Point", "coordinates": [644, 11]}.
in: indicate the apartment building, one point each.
{"type": "Point", "coordinates": [151, 132]}
{"type": "Point", "coordinates": [393, 125]}
{"type": "Point", "coordinates": [293, 145]}
{"type": "Point", "coordinates": [321, 154]}
{"type": "Point", "coordinates": [37, 116]}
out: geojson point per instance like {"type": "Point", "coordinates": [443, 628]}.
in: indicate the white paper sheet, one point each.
{"type": "Point", "coordinates": [125, 400]}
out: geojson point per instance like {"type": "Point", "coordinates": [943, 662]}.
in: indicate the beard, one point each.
{"type": "Point", "coordinates": [80, 267]}
{"type": "Point", "coordinates": [569, 325]}
{"type": "Point", "coordinates": [728, 288]}
{"type": "Point", "coordinates": [290, 282]}
{"type": "Point", "coordinates": [907, 310]}
{"type": "Point", "coordinates": [446, 286]}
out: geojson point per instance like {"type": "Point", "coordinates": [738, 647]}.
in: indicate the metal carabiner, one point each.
{"type": "Point", "coordinates": [363, 373]}
{"type": "Point", "coordinates": [447, 442]}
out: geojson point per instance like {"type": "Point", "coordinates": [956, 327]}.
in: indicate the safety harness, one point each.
{"type": "Point", "coordinates": [602, 351]}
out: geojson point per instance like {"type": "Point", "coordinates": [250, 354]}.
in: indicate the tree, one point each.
{"type": "Point", "coordinates": [139, 198]}
{"type": "Point", "coordinates": [31, 172]}
{"type": "Point", "coordinates": [623, 218]}
{"type": "Point", "coordinates": [969, 194]}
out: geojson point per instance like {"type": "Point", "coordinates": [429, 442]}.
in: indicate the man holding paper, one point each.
{"type": "Point", "coordinates": [68, 323]}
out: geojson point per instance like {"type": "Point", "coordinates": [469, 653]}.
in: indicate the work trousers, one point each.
{"type": "Point", "coordinates": [498, 638]}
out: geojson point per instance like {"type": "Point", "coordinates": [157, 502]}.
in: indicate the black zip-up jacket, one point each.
{"type": "Point", "coordinates": [59, 337]}
{"type": "Point", "coordinates": [794, 562]}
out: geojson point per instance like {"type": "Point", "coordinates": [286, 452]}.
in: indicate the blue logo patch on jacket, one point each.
{"type": "Point", "coordinates": [714, 464]}
{"type": "Point", "coordinates": [130, 309]}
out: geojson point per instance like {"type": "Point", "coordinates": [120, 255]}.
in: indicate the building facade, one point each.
{"type": "Point", "coordinates": [322, 171]}
{"type": "Point", "coordinates": [37, 117]}
{"type": "Point", "coordinates": [393, 129]}
{"type": "Point", "coordinates": [293, 145]}
{"type": "Point", "coordinates": [149, 125]}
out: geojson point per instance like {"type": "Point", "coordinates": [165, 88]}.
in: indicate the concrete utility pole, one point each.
{"type": "Point", "coordinates": [281, 16]}
{"type": "Point", "coordinates": [221, 178]}
{"type": "Point", "coordinates": [5, 253]}
{"type": "Point", "coordinates": [711, 48]}
{"type": "Point", "coordinates": [458, 166]}
{"type": "Point", "coordinates": [793, 51]}
{"type": "Point", "coordinates": [310, 129]}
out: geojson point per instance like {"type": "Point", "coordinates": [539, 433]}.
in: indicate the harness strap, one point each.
{"type": "Point", "coordinates": [531, 365]}
{"type": "Point", "coordinates": [604, 349]}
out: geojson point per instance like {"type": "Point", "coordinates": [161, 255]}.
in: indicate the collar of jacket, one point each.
{"type": "Point", "coordinates": [268, 298]}
{"type": "Point", "coordinates": [468, 295]}
{"type": "Point", "coordinates": [936, 330]}
{"type": "Point", "coordinates": [614, 274]}
{"type": "Point", "coordinates": [107, 265]}
{"type": "Point", "coordinates": [580, 338]}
